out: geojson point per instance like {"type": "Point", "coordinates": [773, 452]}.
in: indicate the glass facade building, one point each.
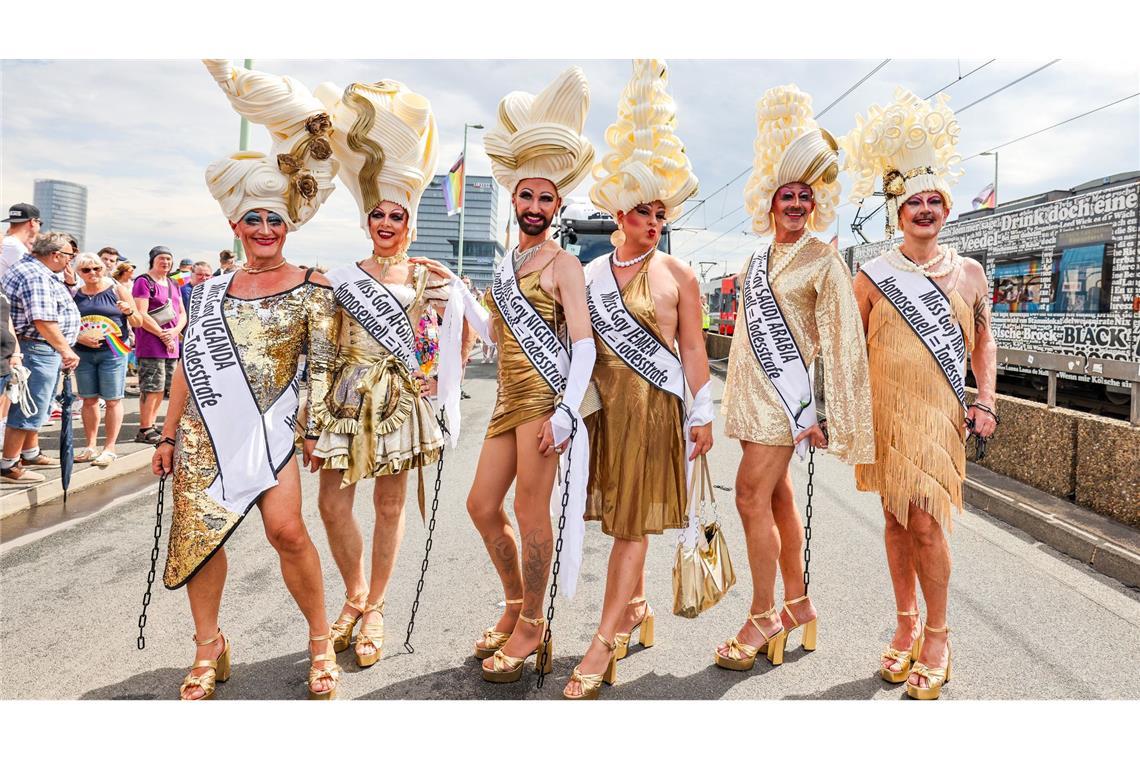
{"type": "Point", "coordinates": [437, 235]}
{"type": "Point", "coordinates": [63, 207]}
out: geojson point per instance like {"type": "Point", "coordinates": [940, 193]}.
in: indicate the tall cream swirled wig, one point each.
{"type": "Point", "coordinates": [646, 160]}
{"type": "Point", "coordinates": [910, 144]}
{"type": "Point", "coordinates": [791, 147]}
{"type": "Point", "coordinates": [297, 176]}
{"type": "Point", "coordinates": [540, 136]}
{"type": "Point", "coordinates": [384, 136]}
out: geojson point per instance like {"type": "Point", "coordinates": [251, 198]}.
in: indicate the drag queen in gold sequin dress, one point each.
{"type": "Point", "coordinates": [792, 192]}
{"type": "Point", "coordinates": [271, 310]}
{"type": "Point", "coordinates": [537, 153]}
{"type": "Point", "coordinates": [376, 422]}
{"type": "Point", "coordinates": [637, 439]}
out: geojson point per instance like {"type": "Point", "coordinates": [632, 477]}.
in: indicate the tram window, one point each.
{"type": "Point", "coordinates": [1017, 286]}
{"type": "Point", "coordinates": [1081, 280]}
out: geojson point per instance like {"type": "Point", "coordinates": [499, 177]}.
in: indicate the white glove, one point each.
{"type": "Point", "coordinates": [582, 355]}
{"type": "Point", "coordinates": [478, 317]}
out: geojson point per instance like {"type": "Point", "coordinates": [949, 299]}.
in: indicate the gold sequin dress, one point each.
{"type": "Point", "coordinates": [270, 334]}
{"type": "Point", "coordinates": [818, 302]}
{"type": "Point", "coordinates": [523, 394]}
{"type": "Point", "coordinates": [374, 421]}
{"type": "Point", "coordinates": [637, 443]}
{"type": "Point", "coordinates": [920, 437]}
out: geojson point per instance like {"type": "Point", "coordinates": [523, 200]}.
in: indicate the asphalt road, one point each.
{"type": "Point", "coordinates": [1026, 621]}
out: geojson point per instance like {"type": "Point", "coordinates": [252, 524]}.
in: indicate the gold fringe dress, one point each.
{"type": "Point", "coordinates": [920, 437]}
{"type": "Point", "coordinates": [523, 395]}
{"type": "Point", "coordinates": [270, 333]}
{"type": "Point", "coordinates": [637, 441]}
{"type": "Point", "coordinates": [818, 302]}
{"type": "Point", "coordinates": [374, 422]}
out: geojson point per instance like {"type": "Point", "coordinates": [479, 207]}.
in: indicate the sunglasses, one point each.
{"type": "Point", "coordinates": [89, 270]}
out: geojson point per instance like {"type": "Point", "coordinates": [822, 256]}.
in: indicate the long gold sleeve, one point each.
{"type": "Point", "coordinates": [847, 385]}
{"type": "Point", "coordinates": [323, 324]}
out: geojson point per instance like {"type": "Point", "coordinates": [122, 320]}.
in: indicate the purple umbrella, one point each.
{"type": "Point", "coordinates": [66, 435]}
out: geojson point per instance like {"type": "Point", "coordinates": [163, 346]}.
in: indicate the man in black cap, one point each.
{"type": "Point", "coordinates": [23, 225]}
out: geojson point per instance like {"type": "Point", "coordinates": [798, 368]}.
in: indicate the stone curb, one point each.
{"type": "Point", "coordinates": [51, 489]}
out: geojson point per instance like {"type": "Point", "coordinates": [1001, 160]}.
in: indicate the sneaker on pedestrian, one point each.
{"type": "Point", "coordinates": [17, 473]}
{"type": "Point", "coordinates": [41, 460]}
{"type": "Point", "coordinates": [105, 458]}
{"type": "Point", "coordinates": [148, 435]}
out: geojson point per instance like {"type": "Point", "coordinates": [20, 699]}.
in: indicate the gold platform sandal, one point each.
{"type": "Point", "coordinates": [773, 646]}
{"type": "Point", "coordinates": [316, 674]}
{"type": "Point", "coordinates": [219, 671]}
{"type": "Point", "coordinates": [904, 657]}
{"type": "Point", "coordinates": [341, 629]}
{"type": "Point", "coordinates": [370, 633]}
{"type": "Point", "coordinates": [810, 627]}
{"type": "Point", "coordinates": [644, 629]}
{"type": "Point", "coordinates": [592, 682]}
{"type": "Point", "coordinates": [507, 669]}
{"type": "Point", "coordinates": [936, 678]}
{"type": "Point", "coordinates": [493, 640]}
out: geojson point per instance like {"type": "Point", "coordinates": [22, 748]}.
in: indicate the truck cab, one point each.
{"type": "Point", "coordinates": [584, 230]}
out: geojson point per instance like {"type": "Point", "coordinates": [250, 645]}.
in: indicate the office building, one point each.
{"type": "Point", "coordinates": [437, 236]}
{"type": "Point", "coordinates": [63, 207]}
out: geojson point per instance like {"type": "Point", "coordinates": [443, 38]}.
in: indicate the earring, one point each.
{"type": "Point", "coordinates": [617, 238]}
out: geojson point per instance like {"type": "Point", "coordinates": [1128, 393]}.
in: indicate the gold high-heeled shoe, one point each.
{"type": "Point", "coordinates": [493, 640]}
{"type": "Point", "coordinates": [592, 682]}
{"type": "Point", "coordinates": [810, 627]}
{"type": "Point", "coordinates": [904, 657]}
{"type": "Point", "coordinates": [219, 671]}
{"type": "Point", "coordinates": [370, 633]}
{"type": "Point", "coordinates": [936, 678]}
{"type": "Point", "coordinates": [773, 646]}
{"type": "Point", "coordinates": [316, 674]}
{"type": "Point", "coordinates": [341, 629]}
{"type": "Point", "coordinates": [644, 629]}
{"type": "Point", "coordinates": [507, 669]}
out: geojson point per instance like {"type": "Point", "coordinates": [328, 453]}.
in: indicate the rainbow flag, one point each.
{"type": "Point", "coordinates": [180, 278]}
{"type": "Point", "coordinates": [116, 344]}
{"type": "Point", "coordinates": [453, 188]}
{"type": "Point", "coordinates": [987, 198]}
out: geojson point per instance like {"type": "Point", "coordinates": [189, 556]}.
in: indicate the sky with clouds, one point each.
{"type": "Point", "coordinates": [139, 134]}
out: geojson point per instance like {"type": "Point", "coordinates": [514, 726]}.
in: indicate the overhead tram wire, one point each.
{"type": "Point", "coordinates": [701, 202]}
{"type": "Point", "coordinates": [960, 78]}
{"type": "Point", "coordinates": [1006, 86]}
{"type": "Point", "coordinates": [852, 88]}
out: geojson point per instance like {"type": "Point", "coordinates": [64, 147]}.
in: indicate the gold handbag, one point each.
{"type": "Point", "coordinates": [702, 574]}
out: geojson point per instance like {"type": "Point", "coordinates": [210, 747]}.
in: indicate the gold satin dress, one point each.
{"type": "Point", "coordinates": [270, 334]}
{"type": "Point", "coordinates": [374, 421]}
{"type": "Point", "coordinates": [920, 435]}
{"type": "Point", "coordinates": [637, 440]}
{"type": "Point", "coordinates": [523, 394]}
{"type": "Point", "coordinates": [818, 302]}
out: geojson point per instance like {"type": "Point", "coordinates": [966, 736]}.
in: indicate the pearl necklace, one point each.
{"type": "Point", "coordinates": [252, 270]}
{"type": "Point", "coordinates": [631, 262]}
{"type": "Point", "coordinates": [520, 259]}
{"type": "Point", "coordinates": [386, 262]}
{"type": "Point", "coordinates": [930, 268]}
{"type": "Point", "coordinates": [789, 256]}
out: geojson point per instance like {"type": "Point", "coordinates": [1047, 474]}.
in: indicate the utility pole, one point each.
{"type": "Point", "coordinates": [463, 194]}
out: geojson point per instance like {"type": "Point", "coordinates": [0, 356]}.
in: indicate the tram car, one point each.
{"type": "Point", "coordinates": [720, 294]}
{"type": "Point", "coordinates": [1065, 276]}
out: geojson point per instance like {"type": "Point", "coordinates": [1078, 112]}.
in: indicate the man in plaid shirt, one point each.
{"type": "Point", "coordinates": [46, 322]}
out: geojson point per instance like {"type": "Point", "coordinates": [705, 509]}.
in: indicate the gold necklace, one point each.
{"type": "Point", "coordinates": [387, 261]}
{"type": "Point", "coordinates": [251, 270]}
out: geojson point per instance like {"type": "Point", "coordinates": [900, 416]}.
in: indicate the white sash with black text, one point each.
{"type": "Point", "coordinates": [377, 310]}
{"type": "Point", "coordinates": [250, 446]}
{"type": "Point", "coordinates": [927, 310]}
{"type": "Point", "coordinates": [536, 338]}
{"type": "Point", "coordinates": [776, 350]}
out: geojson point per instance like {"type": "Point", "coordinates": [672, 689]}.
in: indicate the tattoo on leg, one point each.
{"type": "Point", "coordinates": [536, 564]}
{"type": "Point", "coordinates": [504, 554]}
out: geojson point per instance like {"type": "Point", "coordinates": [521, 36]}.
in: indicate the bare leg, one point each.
{"type": "Point", "coordinates": [300, 563]}
{"type": "Point", "coordinates": [932, 561]}
{"type": "Point", "coordinates": [388, 499]}
{"type": "Point", "coordinates": [113, 423]}
{"type": "Point", "coordinates": [535, 479]}
{"type": "Point", "coordinates": [634, 613]}
{"type": "Point", "coordinates": [761, 468]}
{"type": "Point", "coordinates": [345, 540]}
{"type": "Point", "coordinates": [148, 409]}
{"type": "Point", "coordinates": [900, 561]}
{"type": "Point", "coordinates": [493, 477]}
{"type": "Point", "coordinates": [626, 569]}
{"type": "Point", "coordinates": [14, 440]}
{"type": "Point", "coordinates": [791, 530]}
{"type": "Point", "coordinates": [90, 416]}
{"type": "Point", "coordinates": [205, 593]}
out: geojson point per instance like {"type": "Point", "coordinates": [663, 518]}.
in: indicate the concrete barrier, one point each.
{"type": "Point", "coordinates": [717, 345]}
{"type": "Point", "coordinates": [1108, 467]}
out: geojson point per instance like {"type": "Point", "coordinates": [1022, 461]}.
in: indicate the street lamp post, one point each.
{"type": "Point", "coordinates": [463, 193]}
{"type": "Point", "coordinates": [995, 155]}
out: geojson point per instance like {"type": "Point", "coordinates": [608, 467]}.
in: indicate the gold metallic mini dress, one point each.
{"type": "Point", "coordinates": [818, 302]}
{"type": "Point", "coordinates": [637, 443]}
{"type": "Point", "coordinates": [523, 394]}
{"type": "Point", "coordinates": [270, 334]}
{"type": "Point", "coordinates": [375, 421]}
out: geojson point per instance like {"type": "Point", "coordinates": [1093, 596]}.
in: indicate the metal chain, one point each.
{"type": "Point", "coordinates": [153, 559]}
{"type": "Point", "coordinates": [557, 555]}
{"type": "Point", "coordinates": [807, 523]}
{"type": "Point", "coordinates": [427, 547]}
